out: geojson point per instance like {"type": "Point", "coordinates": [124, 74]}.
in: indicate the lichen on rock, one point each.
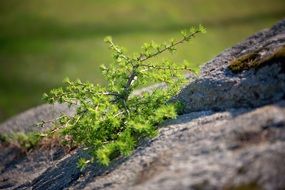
{"type": "Point", "coordinates": [258, 78]}
{"type": "Point", "coordinates": [257, 59]}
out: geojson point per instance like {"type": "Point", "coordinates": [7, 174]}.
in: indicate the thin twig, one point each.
{"type": "Point", "coordinates": [166, 68]}
{"type": "Point", "coordinates": [143, 58]}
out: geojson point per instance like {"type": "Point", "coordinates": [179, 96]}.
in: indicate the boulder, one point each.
{"type": "Point", "coordinates": [28, 120]}
{"type": "Point", "coordinates": [231, 135]}
{"type": "Point", "coordinates": [223, 85]}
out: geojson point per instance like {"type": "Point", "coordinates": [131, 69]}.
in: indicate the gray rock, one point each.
{"type": "Point", "coordinates": [200, 150]}
{"type": "Point", "coordinates": [219, 88]}
{"type": "Point", "coordinates": [241, 147]}
{"type": "Point", "coordinates": [219, 151]}
{"type": "Point", "coordinates": [27, 120]}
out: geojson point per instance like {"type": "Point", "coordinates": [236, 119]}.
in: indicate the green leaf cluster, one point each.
{"type": "Point", "coordinates": [110, 121]}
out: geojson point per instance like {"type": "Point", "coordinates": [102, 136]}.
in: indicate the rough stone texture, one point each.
{"type": "Point", "coordinates": [200, 150]}
{"type": "Point", "coordinates": [216, 151]}
{"type": "Point", "coordinates": [27, 120]}
{"type": "Point", "coordinates": [241, 147]}
{"type": "Point", "coordinates": [218, 88]}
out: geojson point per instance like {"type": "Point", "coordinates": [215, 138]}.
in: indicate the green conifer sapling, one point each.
{"type": "Point", "coordinates": [109, 120]}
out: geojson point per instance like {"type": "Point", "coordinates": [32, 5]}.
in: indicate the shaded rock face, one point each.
{"type": "Point", "coordinates": [232, 135]}
{"type": "Point", "coordinates": [219, 88]}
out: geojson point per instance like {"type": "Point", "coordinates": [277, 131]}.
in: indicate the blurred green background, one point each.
{"type": "Point", "coordinates": [44, 41]}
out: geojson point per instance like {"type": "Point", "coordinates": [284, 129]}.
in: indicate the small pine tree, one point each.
{"type": "Point", "coordinates": [110, 121]}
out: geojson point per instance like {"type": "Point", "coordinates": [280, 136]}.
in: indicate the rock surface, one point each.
{"type": "Point", "coordinates": [232, 136]}
{"type": "Point", "coordinates": [26, 121]}
{"type": "Point", "coordinates": [219, 88]}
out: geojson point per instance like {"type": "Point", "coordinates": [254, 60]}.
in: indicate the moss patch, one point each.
{"type": "Point", "coordinates": [249, 186]}
{"type": "Point", "coordinates": [256, 59]}
{"type": "Point", "coordinates": [24, 141]}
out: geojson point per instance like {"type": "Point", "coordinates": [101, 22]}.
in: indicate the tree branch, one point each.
{"type": "Point", "coordinates": [143, 58]}
{"type": "Point", "coordinates": [166, 68]}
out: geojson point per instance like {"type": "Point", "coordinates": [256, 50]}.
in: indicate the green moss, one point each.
{"type": "Point", "coordinates": [3, 138]}
{"type": "Point", "coordinates": [28, 141]}
{"type": "Point", "coordinates": [25, 141]}
{"type": "Point", "coordinates": [249, 186]}
{"type": "Point", "coordinates": [255, 59]}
